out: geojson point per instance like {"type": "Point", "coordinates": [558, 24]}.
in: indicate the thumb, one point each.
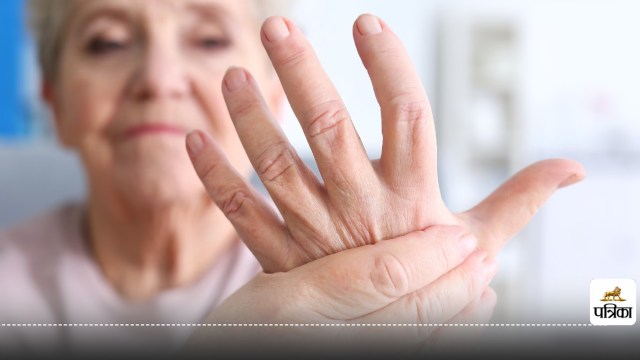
{"type": "Point", "coordinates": [510, 207]}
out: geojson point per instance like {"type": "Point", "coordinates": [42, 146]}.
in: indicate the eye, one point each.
{"type": "Point", "coordinates": [101, 46]}
{"type": "Point", "coordinates": [213, 43]}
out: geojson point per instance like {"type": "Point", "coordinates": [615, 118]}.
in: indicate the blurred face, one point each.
{"type": "Point", "coordinates": [136, 76]}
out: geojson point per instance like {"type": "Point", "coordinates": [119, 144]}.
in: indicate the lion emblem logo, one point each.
{"type": "Point", "coordinates": [612, 295]}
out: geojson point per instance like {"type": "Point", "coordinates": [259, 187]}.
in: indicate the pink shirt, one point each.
{"type": "Point", "coordinates": [47, 276]}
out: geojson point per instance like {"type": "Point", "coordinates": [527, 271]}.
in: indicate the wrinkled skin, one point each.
{"type": "Point", "coordinates": [373, 241]}
{"type": "Point", "coordinates": [359, 201]}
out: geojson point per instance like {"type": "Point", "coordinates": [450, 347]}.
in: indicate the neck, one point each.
{"type": "Point", "coordinates": [143, 251]}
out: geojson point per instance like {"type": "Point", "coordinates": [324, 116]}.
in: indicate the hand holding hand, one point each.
{"type": "Point", "coordinates": [424, 277]}
{"type": "Point", "coordinates": [416, 276]}
{"type": "Point", "coordinates": [359, 202]}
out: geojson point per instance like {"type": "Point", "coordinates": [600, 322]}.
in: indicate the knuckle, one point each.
{"type": "Point", "coordinates": [406, 109]}
{"type": "Point", "coordinates": [529, 201]}
{"type": "Point", "coordinates": [325, 117]}
{"type": "Point", "coordinates": [389, 276]}
{"type": "Point", "coordinates": [207, 173]}
{"type": "Point", "coordinates": [291, 55]}
{"type": "Point", "coordinates": [244, 108]}
{"type": "Point", "coordinates": [532, 208]}
{"type": "Point", "coordinates": [233, 201]}
{"type": "Point", "coordinates": [230, 198]}
{"type": "Point", "coordinates": [275, 161]}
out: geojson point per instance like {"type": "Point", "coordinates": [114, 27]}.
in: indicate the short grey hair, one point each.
{"type": "Point", "coordinates": [48, 18]}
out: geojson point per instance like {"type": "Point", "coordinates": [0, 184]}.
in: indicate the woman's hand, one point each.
{"type": "Point", "coordinates": [359, 202]}
{"type": "Point", "coordinates": [424, 277]}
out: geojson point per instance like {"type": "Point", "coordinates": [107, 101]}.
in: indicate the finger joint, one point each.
{"type": "Point", "coordinates": [234, 201]}
{"type": "Point", "coordinates": [292, 55]}
{"type": "Point", "coordinates": [406, 109]}
{"type": "Point", "coordinates": [326, 117]}
{"type": "Point", "coordinates": [275, 161]}
{"type": "Point", "coordinates": [389, 276]}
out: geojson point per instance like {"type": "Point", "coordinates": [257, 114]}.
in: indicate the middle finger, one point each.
{"type": "Point", "coordinates": [409, 145]}
{"type": "Point", "coordinates": [335, 144]}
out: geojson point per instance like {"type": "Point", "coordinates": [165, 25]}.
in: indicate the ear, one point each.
{"type": "Point", "coordinates": [47, 92]}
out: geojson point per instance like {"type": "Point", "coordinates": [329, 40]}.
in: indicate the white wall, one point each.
{"type": "Point", "coordinates": [577, 83]}
{"type": "Point", "coordinates": [582, 82]}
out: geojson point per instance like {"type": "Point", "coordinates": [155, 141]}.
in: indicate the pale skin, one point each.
{"type": "Point", "coordinates": [135, 77]}
{"type": "Point", "coordinates": [359, 202]}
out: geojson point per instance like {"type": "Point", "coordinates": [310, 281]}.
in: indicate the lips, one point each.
{"type": "Point", "coordinates": [154, 129]}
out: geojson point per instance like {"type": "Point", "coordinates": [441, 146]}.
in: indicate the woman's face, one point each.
{"type": "Point", "coordinates": [136, 76]}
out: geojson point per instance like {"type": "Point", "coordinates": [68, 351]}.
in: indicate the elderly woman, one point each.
{"type": "Point", "coordinates": [128, 81]}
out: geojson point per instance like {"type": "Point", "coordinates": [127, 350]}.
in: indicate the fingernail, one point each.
{"type": "Point", "coordinates": [235, 78]}
{"type": "Point", "coordinates": [275, 29]}
{"type": "Point", "coordinates": [368, 25]}
{"type": "Point", "coordinates": [195, 143]}
{"type": "Point", "coordinates": [572, 179]}
{"type": "Point", "coordinates": [467, 243]}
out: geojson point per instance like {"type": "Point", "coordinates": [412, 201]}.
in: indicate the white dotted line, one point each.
{"type": "Point", "coordinates": [290, 325]}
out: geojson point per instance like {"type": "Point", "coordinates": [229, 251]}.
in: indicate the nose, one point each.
{"type": "Point", "coordinates": [160, 74]}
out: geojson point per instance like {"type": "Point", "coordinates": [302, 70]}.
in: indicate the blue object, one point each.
{"type": "Point", "coordinates": [12, 122]}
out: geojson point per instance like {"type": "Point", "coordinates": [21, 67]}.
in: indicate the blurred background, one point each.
{"type": "Point", "coordinates": [510, 82]}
